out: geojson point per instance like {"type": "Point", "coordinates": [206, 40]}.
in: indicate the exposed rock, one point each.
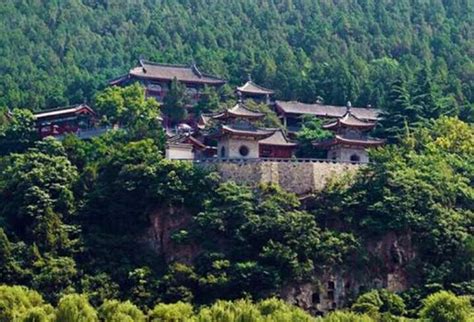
{"type": "Point", "coordinates": [164, 223]}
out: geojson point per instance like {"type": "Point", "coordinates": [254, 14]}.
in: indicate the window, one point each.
{"type": "Point", "coordinates": [316, 298]}
{"type": "Point", "coordinates": [222, 152]}
{"type": "Point", "coordinates": [355, 158]}
{"type": "Point", "coordinates": [244, 151]}
{"type": "Point", "coordinates": [331, 285]}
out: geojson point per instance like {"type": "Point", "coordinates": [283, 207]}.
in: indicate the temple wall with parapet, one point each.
{"type": "Point", "coordinates": [300, 177]}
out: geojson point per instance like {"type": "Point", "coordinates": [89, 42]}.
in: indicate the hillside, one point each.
{"type": "Point", "coordinates": [59, 52]}
{"type": "Point", "coordinates": [100, 222]}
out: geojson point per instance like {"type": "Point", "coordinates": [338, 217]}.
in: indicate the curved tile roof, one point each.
{"type": "Point", "coordinates": [349, 120]}
{"type": "Point", "coordinates": [251, 88]}
{"type": "Point", "coordinates": [191, 74]}
{"type": "Point", "coordinates": [277, 138]}
{"type": "Point", "coordinates": [294, 107]}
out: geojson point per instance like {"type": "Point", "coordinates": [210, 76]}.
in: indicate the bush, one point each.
{"type": "Point", "coordinates": [444, 306]}
{"type": "Point", "coordinates": [75, 308]}
{"type": "Point", "coordinates": [16, 303]}
{"type": "Point", "coordinates": [342, 316]}
{"type": "Point", "coordinates": [175, 312]}
{"type": "Point", "coordinates": [115, 311]}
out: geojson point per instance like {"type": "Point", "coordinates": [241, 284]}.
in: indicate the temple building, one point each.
{"type": "Point", "coordinates": [78, 119]}
{"type": "Point", "coordinates": [157, 79]}
{"type": "Point", "coordinates": [351, 139]}
{"type": "Point", "coordinates": [276, 146]}
{"type": "Point", "coordinates": [240, 138]}
{"type": "Point", "coordinates": [186, 147]}
{"type": "Point", "coordinates": [259, 94]}
{"type": "Point", "coordinates": [291, 113]}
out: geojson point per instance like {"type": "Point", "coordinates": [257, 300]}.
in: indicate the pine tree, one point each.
{"type": "Point", "coordinates": [175, 102]}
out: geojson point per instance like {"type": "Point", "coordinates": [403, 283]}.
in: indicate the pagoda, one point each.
{"type": "Point", "coordinates": [351, 138]}
{"type": "Point", "coordinates": [238, 136]}
{"type": "Point", "coordinates": [258, 93]}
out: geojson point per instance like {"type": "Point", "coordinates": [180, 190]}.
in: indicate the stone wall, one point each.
{"type": "Point", "coordinates": [300, 177]}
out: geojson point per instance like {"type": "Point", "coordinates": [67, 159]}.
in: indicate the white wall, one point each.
{"type": "Point", "coordinates": [344, 154]}
{"type": "Point", "coordinates": [232, 147]}
{"type": "Point", "coordinates": [181, 151]}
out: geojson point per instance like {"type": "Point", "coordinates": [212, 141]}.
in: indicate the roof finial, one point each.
{"type": "Point", "coordinates": [249, 77]}
{"type": "Point", "coordinates": [348, 106]}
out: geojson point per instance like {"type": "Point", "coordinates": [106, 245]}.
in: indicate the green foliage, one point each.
{"type": "Point", "coordinates": [209, 101]}
{"type": "Point", "coordinates": [171, 312]}
{"type": "Point", "coordinates": [128, 107]}
{"type": "Point", "coordinates": [270, 119]}
{"type": "Point", "coordinates": [75, 308]}
{"type": "Point", "coordinates": [379, 301]}
{"type": "Point", "coordinates": [17, 303]}
{"type": "Point", "coordinates": [244, 310]}
{"type": "Point", "coordinates": [115, 311]}
{"type": "Point", "coordinates": [176, 101]}
{"type": "Point", "coordinates": [422, 186]}
{"type": "Point", "coordinates": [311, 130]}
{"type": "Point", "coordinates": [267, 239]}
{"type": "Point", "coordinates": [17, 131]}
{"type": "Point", "coordinates": [37, 199]}
{"type": "Point", "coordinates": [302, 49]}
{"type": "Point", "coordinates": [344, 316]}
{"type": "Point", "coordinates": [446, 307]}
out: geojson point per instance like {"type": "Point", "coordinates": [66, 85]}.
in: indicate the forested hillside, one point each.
{"type": "Point", "coordinates": [59, 52]}
{"type": "Point", "coordinates": [108, 229]}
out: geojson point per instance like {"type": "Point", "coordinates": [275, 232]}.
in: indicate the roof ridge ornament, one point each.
{"type": "Point", "coordinates": [195, 69]}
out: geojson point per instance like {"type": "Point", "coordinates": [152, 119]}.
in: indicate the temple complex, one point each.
{"type": "Point", "coordinates": [351, 138]}
{"type": "Point", "coordinates": [157, 79]}
{"type": "Point", "coordinates": [235, 133]}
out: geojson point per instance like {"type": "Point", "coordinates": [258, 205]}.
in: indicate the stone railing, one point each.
{"type": "Point", "coordinates": [260, 160]}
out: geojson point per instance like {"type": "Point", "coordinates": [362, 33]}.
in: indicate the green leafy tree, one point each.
{"type": "Point", "coordinates": [379, 301]}
{"type": "Point", "coordinates": [75, 308]}
{"type": "Point", "coordinates": [446, 307]}
{"type": "Point", "coordinates": [345, 316]}
{"type": "Point", "coordinates": [311, 130]}
{"type": "Point", "coordinates": [17, 132]}
{"type": "Point", "coordinates": [37, 197]}
{"type": "Point", "coordinates": [115, 311]}
{"type": "Point", "coordinates": [171, 312]}
{"type": "Point", "coordinates": [130, 108]}
{"type": "Point", "coordinates": [18, 303]}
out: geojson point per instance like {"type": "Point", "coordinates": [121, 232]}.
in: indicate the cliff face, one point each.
{"type": "Point", "coordinates": [389, 258]}
{"type": "Point", "coordinates": [165, 222]}
{"type": "Point", "coordinates": [384, 263]}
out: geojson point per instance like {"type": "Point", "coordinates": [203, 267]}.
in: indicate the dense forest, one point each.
{"type": "Point", "coordinates": [58, 52]}
{"type": "Point", "coordinates": [75, 215]}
